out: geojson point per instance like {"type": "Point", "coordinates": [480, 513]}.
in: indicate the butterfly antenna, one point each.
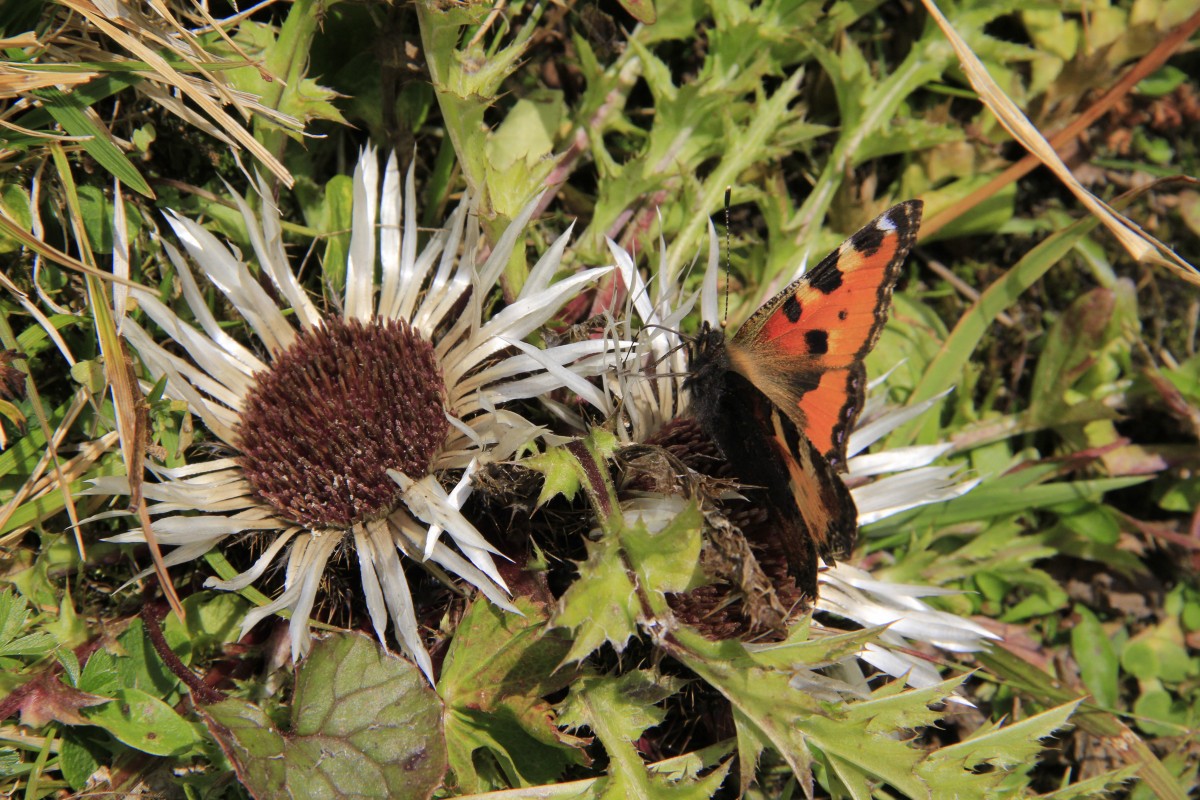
{"type": "Point", "coordinates": [728, 195]}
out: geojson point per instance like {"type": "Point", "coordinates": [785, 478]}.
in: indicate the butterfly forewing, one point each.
{"type": "Point", "coordinates": [804, 348]}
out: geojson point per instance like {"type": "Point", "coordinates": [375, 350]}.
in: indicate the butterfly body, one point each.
{"type": "Point", "coordinates": [782, 395]}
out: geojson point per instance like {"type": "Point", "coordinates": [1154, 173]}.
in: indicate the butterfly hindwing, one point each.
{"type": "Point", "coordinates": [804, 348]}
{"type": "Point", "coordinates": [810, 508]}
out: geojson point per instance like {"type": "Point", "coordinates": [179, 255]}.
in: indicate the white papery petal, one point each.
{"type": "Point", "coordinates": [230, 275]}
{"type": "Point", "coordinates": [458, 495]}
{"type": "Point", "coordinates": [489, 273]}
{"type": "Point", "coordinates": [198, 305]}
{"type": "Point", "coordinates": [511, 366]}
{"type": "Point", "coordinates": [867, 434]}
{"type": "Point", "coordinates": [214, 371]}
{"type": "Point", "coordinates": [185, 530]}
{"type": "Point", "coordinates": [895, 460]}
{"type": "Point", "coordinates": [120, 268]}
{"type": "Point", "coordinates": [360, 263]}
{"type": "Point", "coordinates": [638, 293]}
{"type": "Point", "coordinates": [915, 672]}
{"type": "Point", "coordinates": [565, 377]}
{"type": "Point", "coordinates": [391, 206]}
{"type": "Point", "coordinates": [458, 565]}
{"type": "Point", "coordinates": [219, 470]}
{"type": "Point", "coordinates": [286, 598]}
{"type": "Point", "coordinates": [180, 555]}
{"type": "Point", "coordinates": [543, 271]}
{"type": "Point", "coordinates": [399, 600]}
{"type": "Point", "coordinates": [244, 579]}
{"type": "Point", "coordinates": [443, 294]}
{"type": "Point", "coordinates": [428, 501]}
{"type": "Point", "coordinates": [519, 320]}
{"type": "Point", "coordinates": [911, 489]}
{"type": "Point", "coordinates": [266, 237]}
{"type": "Point", "coordinates": [311, 571]}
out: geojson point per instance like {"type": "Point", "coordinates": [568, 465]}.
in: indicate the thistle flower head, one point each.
{"type": "Point", "coordinates": [360, 428]}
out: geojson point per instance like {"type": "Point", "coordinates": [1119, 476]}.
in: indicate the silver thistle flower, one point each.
{"type": "Point", "coordinates": [345, 431]}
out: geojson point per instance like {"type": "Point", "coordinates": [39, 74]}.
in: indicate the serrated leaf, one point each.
{"type": "Point", "coordinates": [144, 723]}
{"type": "Point", "coordinates": [624, 706]}
{"type": "Point", "coordinates": [496, 673]}
{"type": "Point", "coordinates": [667, 560]}
{"type": "Point", "coordinates": [297, 96]}
{"type": "Point", "coordinates": [99, 674]}
{"type": "Point", "coordinates": [765, 707]}
{"type": "Point", "coordinates": [599, 606]}
{"type": "Point", "coordinates": [1002, 747]}
{"type": "Point", "coordinates": [619, 710]}
{"type": "Point", "coordinates": [560, 474]}
{"type": "Point", "coordinates": [34, 644]}
{"type": "Point", "coordinates": [859, 740]}
{"type": "Point", "coordinates": [13, 613]}
{"type": "Point", "coordinates": [1098, 786]}
{"type": "Point", "coordinates": [364, 723]}
{"type": "Point", "coordinates": [863, 744]}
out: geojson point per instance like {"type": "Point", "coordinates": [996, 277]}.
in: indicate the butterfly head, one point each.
{"type": "Point", "coordinates": [708, 363]}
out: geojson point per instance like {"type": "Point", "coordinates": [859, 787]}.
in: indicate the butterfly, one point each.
{"type": "Point", "coordinates": [782, 395]}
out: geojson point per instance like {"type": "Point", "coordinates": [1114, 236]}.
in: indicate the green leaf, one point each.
{"type": "Point", "coordinates": [667, 560]}
{"type": "Point", "coordinates": [70, 112]}
{"type": "Point", "coordinates": [334, 213]}
{"type": "Point", "coordinates": [213, 619]}
{"type": "Point", "coordinates": [79, 757]}
{"type": "Point", "coordinates": [16, 205]}
{"type": "Point", "coordinates": [144, 723]}
{"type": "Point", "coordinates": [498, 669]}
{"type": "Point", "coordinates": [1159, 713]}
{"type": "Point", "coordinates": [13, 640]}
{"type": "Point", "coordinates": [625, 707]}
{"type": "Point", "coordinates": [560, 474]}
{"type": "Point", "coordinates": [1093, 649]}
{"type": "Point", "coordinates": [946, 369]}
{"type": "Point", "coordinates": [295, 95]}
{"type": "Point", "coordinates": [1108, 783]}
{"type": "Point", "coordinates": [364, 723]}
{"type": "Point", "coordinates": [1005, 747]}
{"type": "Point", "coordinates": [1159, 653]}
{"type": "Point", "coordinates": [600, 605]}
{"type": "Point", "coordinates": [99, 675]}
{"type": "Point", "coordinates": [619, 710]}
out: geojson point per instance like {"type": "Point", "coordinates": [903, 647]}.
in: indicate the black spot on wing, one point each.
{"type": "Point", "coordinates": [817, 341]}
{"type": "Point", "coordinates": [827, 278]}
{"type": "Point", "coordinates": [868, 240]}
{"type": "Point", "coordinates": [791, 309]}
{"type": "Point", "coordinates": [843, 314]}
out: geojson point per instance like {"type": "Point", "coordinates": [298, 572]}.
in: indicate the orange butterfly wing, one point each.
{"type": "Point", "coordinates": [804, 348]}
